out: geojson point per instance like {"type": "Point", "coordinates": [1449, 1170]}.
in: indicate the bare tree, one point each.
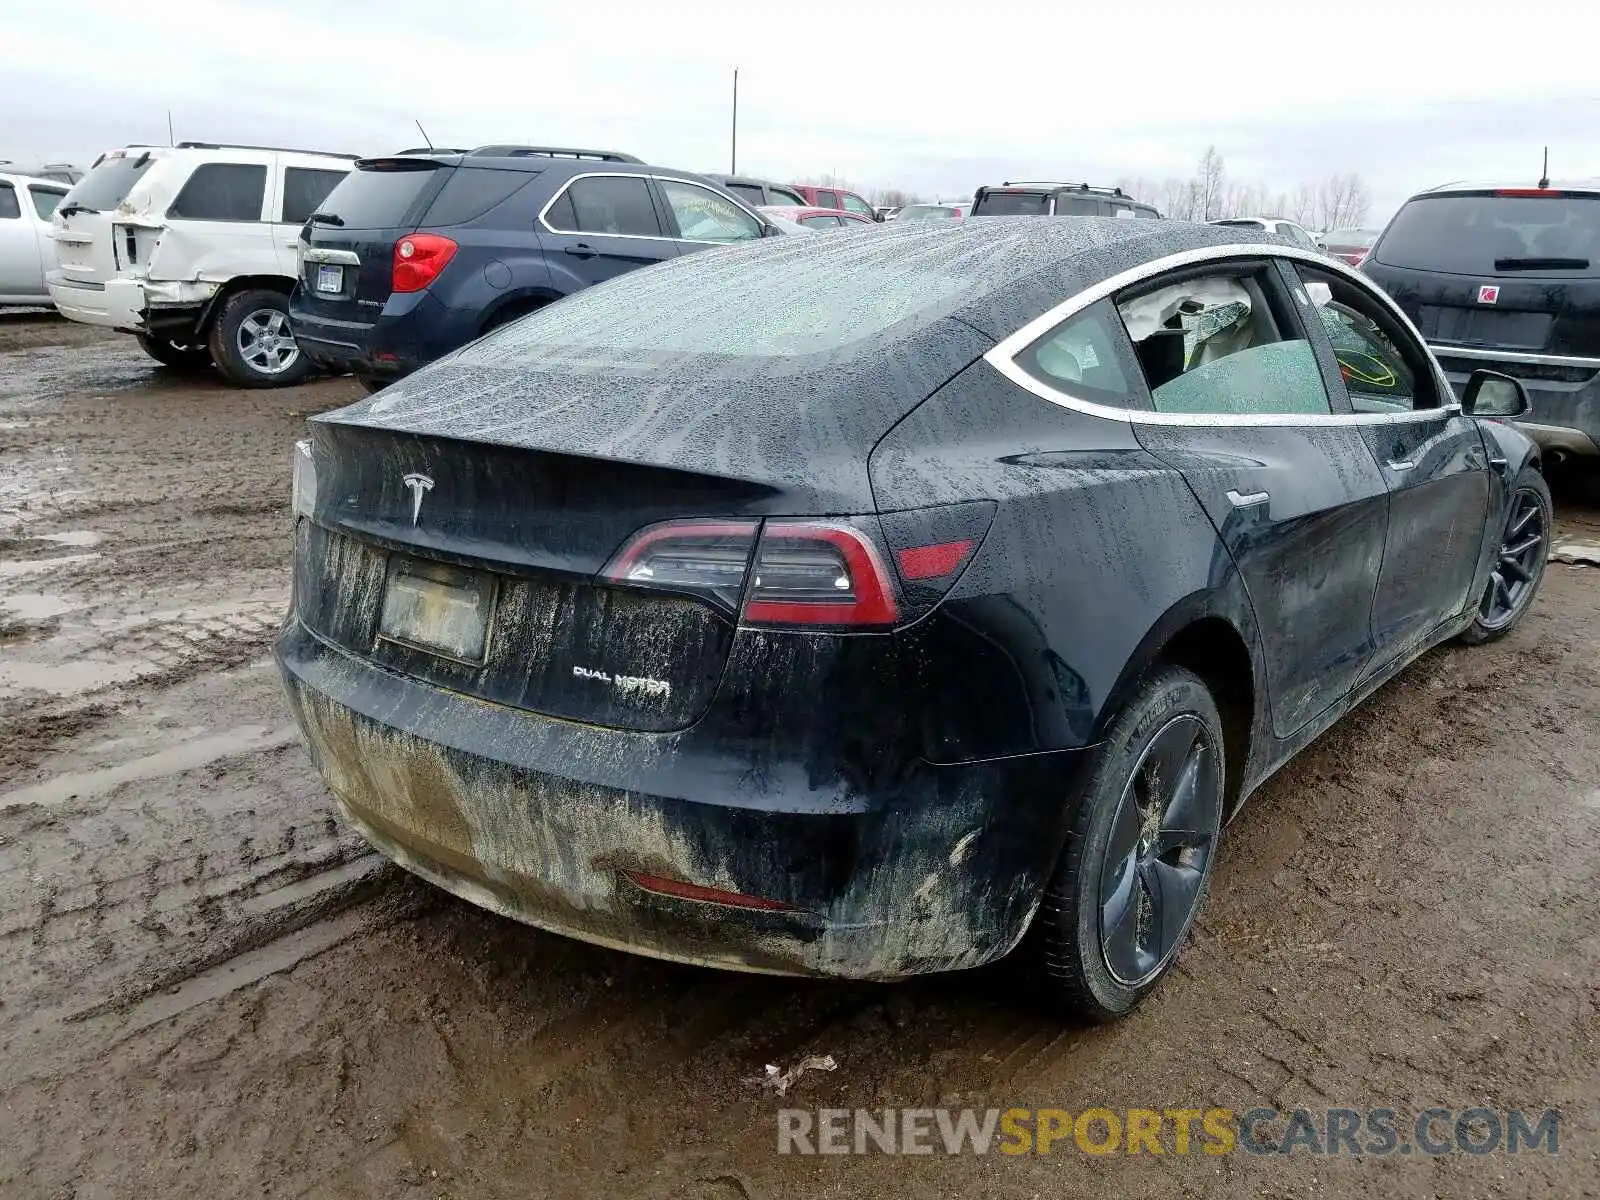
{"type": "Point", "coordinates": [1209, 184]}
{"type": "Point", "coordinates": [892, 197]}
{"type": "Point", "coordinates": [1301, 205]}
{"type": "Point", "coordinates": [1342, 202]}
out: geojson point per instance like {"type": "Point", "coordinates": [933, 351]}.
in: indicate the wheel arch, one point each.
{"type": "Point", "coordinates": [1213, 634]}
{"type": "Point", "coordinates": [515, 304]}
{"type": "Point", "coordinates": [240, 283]}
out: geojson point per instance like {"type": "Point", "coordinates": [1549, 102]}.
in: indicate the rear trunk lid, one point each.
{"type": "Point", "coordinates": [347, 251]}
{"type": "Point", "coordinates": [537, 453]}
{"type": "Point", "coordinates": [1513, 269]}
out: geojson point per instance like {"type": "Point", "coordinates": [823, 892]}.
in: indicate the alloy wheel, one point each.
{"type": "Point", "coordinates": [266, 343]}
{"type": "Point", "coordinates": [1516, 571]}
{"type": "Point", "coordinates": [1159, 851]}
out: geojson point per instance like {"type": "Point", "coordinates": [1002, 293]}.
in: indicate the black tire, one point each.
{"type": "Point", "coordinates": [178, 357]}
{"type": "Point", "coordinates": [1524, 549]}
{"type": "Point", "coordinates": [1074, 954]}
{"type": "Point", "coordinates": [246, 341]}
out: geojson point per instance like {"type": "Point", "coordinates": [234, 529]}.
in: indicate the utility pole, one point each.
{"type": "Point", "coordinates": [171, 139]}
{"type": "Point", "coordinates": [733, 157]}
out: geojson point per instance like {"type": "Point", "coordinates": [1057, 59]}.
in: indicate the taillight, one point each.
{"type": "Point", "coordinates": [783, 572]}
{"type": "Point", "coordinates": [707, 558]}
{"type": "Point", "coordinates": [818, 573]}
{"type": "Point", "coordinates": [418, 259]}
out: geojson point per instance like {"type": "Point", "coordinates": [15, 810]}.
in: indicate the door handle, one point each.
{"type": "Point", "coordinates": [1246, 499]}
{"type": "Point", "coordinates": [580, 250]}
{"type": "Point", "coordinates": [1403, 465]}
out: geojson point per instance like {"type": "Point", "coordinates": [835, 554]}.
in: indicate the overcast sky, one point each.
{"type": "Point", "coordinates": [933, 97]}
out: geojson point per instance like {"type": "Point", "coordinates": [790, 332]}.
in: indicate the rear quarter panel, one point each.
{"type": "Point", "coordinates": [1098, 554]}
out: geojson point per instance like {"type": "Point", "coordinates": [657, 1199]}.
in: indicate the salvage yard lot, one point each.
{"type": "Point", "coordinates": [208, 987]}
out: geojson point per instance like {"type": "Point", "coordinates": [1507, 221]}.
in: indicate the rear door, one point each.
{"type": "Point", "coordinates": [1432, 458]}
{"type": "Point", "coordinates": [1241, 408]}
{"type": "Point", "coordinates": [302, 185]}
{"type": "Point", "coordinates": [347, 263]}
{"type": "Point", "coordinates": [602, 225]}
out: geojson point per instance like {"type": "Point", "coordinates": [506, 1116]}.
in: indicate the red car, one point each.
{"type": "Point", "coordinates": [836, 198]}
{"type": "Point", "coordinates": [816, 218]}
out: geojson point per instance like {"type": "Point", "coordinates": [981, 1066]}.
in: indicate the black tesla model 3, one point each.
{"type": "Point", "coordinates": [875, 606]}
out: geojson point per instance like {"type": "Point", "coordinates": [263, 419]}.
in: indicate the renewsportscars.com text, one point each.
{"type": "Point", "coordinates": [1376, 1132]}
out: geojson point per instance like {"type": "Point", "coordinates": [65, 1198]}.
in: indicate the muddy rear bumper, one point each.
{"type": "Point", "coordinates": [538, 819]}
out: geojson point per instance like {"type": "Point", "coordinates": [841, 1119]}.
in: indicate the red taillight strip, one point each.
{"type": "Point", "coordinates": [933, 562]}
{"type": "Point", "coordinates": [874, 602]}
{"type": "Point", "coordinates": [678, 889]}
{"type": "Point", "coordinates": [1529, 192]}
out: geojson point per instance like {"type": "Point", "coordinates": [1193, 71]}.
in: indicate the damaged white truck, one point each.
{"type": "Point", "coordinates": [192, 249]}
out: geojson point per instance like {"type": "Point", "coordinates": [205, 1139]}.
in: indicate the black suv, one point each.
{"type": "Point", "coordinates": [1057, 200]}
{"type": "Point", "coordinates": [1507, 277]}
{"type": "Point", "coordinates": [415, 254]}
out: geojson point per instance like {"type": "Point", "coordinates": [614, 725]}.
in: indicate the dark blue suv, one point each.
{"type": "Point", "coordinates": [416, 254]}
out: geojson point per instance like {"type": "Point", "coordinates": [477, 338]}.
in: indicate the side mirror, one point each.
{"type": "Point", "coordinates": [770, 230]}
{"type": "Point", "coordinates": [1494, 394]}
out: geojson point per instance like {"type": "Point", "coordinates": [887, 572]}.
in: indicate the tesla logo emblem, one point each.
{"type": "Point", "coordinates": [420, 485]}
{"type": "Point", "coordinates": [1488, 294]}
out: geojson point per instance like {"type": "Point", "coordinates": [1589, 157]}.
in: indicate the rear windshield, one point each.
{"type": "Point", "coordinates": [924, 212]}
{"type": "Point", "coordinates": [380, 196]}
{"type": "Point", "coordinates": [104, 187]}
{"type": "Point", "coordinates": [1488, 234]}
{"type": "Point", "coordinates": [1013, 204]}
{"type": "Point", "coordinates": [792, 303]}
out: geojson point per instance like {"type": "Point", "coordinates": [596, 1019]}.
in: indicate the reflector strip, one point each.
{"type": "Point", "coordinates": [933, 562]}
{"type": "Point", "coordinates": [679, 890]}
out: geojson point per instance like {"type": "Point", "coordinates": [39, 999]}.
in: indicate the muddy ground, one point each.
{"type": "Point", "coordinates": [208, 988]}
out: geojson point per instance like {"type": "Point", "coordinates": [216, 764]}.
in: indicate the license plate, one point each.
{"type": "Point", "coordinates": [330, 279]}
{"type": "Point", "coordinates": [441, 609]}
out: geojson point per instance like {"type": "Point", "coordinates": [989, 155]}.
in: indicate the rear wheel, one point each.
{"type": "Point", "coordinates": [172, 354]}
{"type": "Point", "coordinates": [1519, 567]}
{"type": "Point", "coordinates": [1139, 851]}
{"type": "Point", "coordinates": [251, 342]}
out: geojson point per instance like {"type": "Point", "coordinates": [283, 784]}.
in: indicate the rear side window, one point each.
{"type": "Point", "coordinates": [382, 195]}
{"type": "Point", "coordinates": [856, 204]}
{"type": "Point", "coordinates": [1485, 233]}
{"type": "Point", "coordinates": [304, 189]}
{"type": "Point", "coordinates": [470, 192]}
{"type": "Point", "coordinates": [785, 196]}
{"type": "Point", "coordinates": [614, 204]}
{"type": "Point", "coordinates": [45, 201]}
{"type": "Point", "coordinates": [105, 186]}
{"type": "Point", "coordinates": [222, 192]}
{"type": "Point", "coordinates": [1013, 204]}
{"type": "Point", "coordinates": [10, 210]}
{"type": "Point", "coordinates": [1077, 206]}
{"type": "Point", "coordinates": [1086, 355]}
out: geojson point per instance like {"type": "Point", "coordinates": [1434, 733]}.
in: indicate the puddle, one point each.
{"type": "Point", "coordinates": [35, 606]}
{"type": "Point", "coordinates": [185, 756]}
{"type": "Point", "coordinates": [78, 538]}
{"type": "Point", "coordinates": [32, 566]}
{"type": "Point", "coordinates": [69, 678]}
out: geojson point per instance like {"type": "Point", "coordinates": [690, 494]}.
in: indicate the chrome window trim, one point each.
{"type": "Point", "coordinates": [643, 237]}
{"type": "Point", "coordinates": [1002, 356]}
{"type": "Point", "coordinates": [1515, 356]}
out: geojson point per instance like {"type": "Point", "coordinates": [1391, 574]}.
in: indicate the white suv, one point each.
{"type": "Point", "coordinates": [25, 207]}
{"type": "Point", "coordinates": [192, 249]}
